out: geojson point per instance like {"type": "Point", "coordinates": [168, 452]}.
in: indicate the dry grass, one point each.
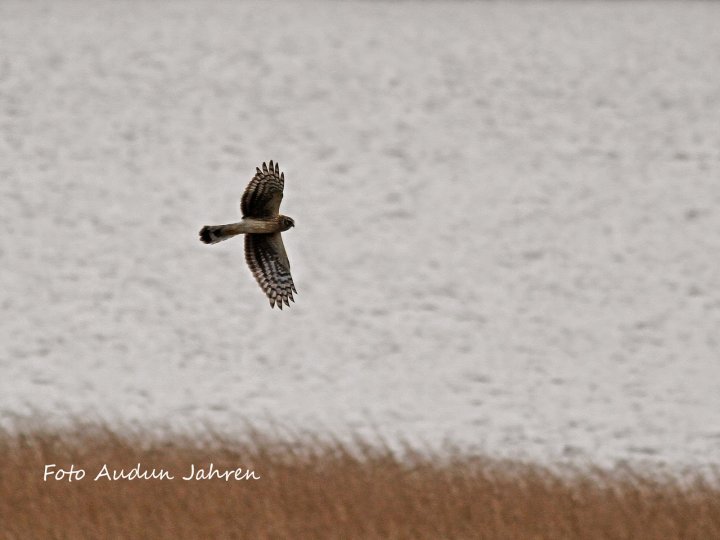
{"type": "Point", "coordinates": [318, 489]}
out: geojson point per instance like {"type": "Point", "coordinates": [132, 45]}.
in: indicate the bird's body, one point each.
{"type": "Point", "coordinates": [212, 234]}
{"type": "Point", "coordinates": [262, 224]}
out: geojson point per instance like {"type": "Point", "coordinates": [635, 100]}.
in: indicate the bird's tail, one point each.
{"type": "Point", "coordinates": [212, 234]}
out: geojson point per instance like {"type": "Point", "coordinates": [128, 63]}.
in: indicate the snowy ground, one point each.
{"type": "Point", "coordinates": [508, 220]}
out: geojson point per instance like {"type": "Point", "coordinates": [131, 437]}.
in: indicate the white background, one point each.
{"type": "Point", "coordinates": [507, 219]}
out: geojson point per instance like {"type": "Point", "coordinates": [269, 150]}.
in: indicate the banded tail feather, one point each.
{"type": "Point", "coordinates": [212, 234]}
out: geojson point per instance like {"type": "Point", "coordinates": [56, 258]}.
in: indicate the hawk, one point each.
{"type": "Point", "coordinates": [262, 224]}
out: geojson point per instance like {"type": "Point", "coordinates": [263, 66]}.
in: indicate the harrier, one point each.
{"type": "Point", "coordinates": [262, 224]}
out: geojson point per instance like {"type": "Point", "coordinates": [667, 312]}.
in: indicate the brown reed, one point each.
{"type": "Point", "coordinates": [309, 488]}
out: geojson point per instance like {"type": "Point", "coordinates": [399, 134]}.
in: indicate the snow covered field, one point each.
{"type": "Point", "coordinates": [508, 220]}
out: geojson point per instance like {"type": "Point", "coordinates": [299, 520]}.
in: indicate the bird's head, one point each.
{"type": "Point", "coordinates": [286, 223]}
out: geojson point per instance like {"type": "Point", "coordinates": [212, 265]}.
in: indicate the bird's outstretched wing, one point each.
{"type": "Point", "coordinates": [264, 193]}
{"type": "Point", "coordinates": [265, 255]}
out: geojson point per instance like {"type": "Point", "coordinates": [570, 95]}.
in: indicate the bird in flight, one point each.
{"type": "Point", "coordinates": [262, 224]}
